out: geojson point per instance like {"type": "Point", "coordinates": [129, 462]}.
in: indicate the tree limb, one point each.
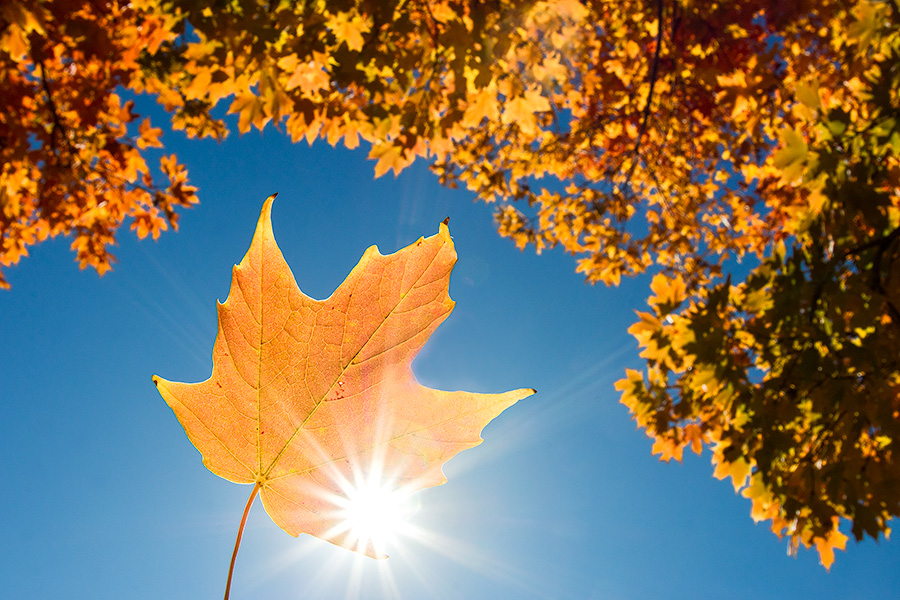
{"type": "Point", "coordinates": [58, 130]}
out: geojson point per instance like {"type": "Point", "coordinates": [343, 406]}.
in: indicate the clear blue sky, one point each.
{"type": "Point", "coordinates": [102, 496]}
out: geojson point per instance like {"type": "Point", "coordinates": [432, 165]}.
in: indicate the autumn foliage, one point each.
{"type": "Point", "coordinates": [745, 152]}
{"type": "Point", "coordinates": [71, 157]}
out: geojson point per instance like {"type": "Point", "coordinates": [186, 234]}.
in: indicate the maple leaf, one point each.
{"type": "Point", "coordinates": [790, 158]}
{"type": "Point", "coordinates": [309, 396]}
{"type": "Point", "coordinates": [482, 103]}
{"type": "Point", "coordinates": [390, 156]}
{"type": "Point", "coordinates": [521, 111]}
{"type": "Point", "coordinates": [251, 111]}
{"type": "Point", "coordinates": [349, 28]}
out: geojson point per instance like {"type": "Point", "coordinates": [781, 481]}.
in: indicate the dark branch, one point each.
{"type": "Point", "coordinates": [645, 118]}
{"type": "Point", "coordinates": [58, 131]}
{"type": "Point", "coordinates": [654, 70]}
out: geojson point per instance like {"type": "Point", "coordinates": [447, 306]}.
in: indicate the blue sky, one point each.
{"type": "Point", "coordinates": [103, 496]}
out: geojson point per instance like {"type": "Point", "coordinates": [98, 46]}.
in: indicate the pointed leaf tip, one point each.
{"type": "Point", "coordinates": [444, 229]}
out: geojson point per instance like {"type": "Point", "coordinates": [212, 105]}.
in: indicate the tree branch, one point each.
{"type": "Point", "coordinates": [654, 70]}
{"type": "Point", "coordinates": [645, 118]}
{"type": "Point", "coordinates": [57, 130]}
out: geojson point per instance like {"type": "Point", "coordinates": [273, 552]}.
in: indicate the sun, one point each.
{"type": "Point", "coordinates": [375, 513]}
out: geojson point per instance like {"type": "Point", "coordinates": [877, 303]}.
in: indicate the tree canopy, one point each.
{"type": "Point", "coordinates": [745, 152]}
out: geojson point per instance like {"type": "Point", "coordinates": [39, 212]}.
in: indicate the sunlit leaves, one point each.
{"type": "Point", "coordinates": [73, 161]}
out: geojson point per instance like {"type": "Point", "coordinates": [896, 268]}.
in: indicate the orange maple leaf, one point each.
{"type": "Point", "coordinates": [308, 397]}
{"type": "Point", "coordinates": [826, 545]}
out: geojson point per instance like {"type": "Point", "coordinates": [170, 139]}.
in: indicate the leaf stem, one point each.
{"type": "Point", "coordinates": [237, 542]}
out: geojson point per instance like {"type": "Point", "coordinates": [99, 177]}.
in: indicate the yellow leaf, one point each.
{"type": "Point", "coordinates": [667, 290]}
{"type": "Point", "coordinates": [569, 9]}
{"type": "Point", "coordinates": [763, 502]}
{"type": "Point", "coordinates": [200, 84]}
{"type": "Point", "coordinates": [791, 158]}
{"type": "Point", "coordinates": [864, 27]}
{"type": "Point", "coordinates": [646, 326]}
{"type": "Point", "coordinates": [349, 29]}
{"type": "Point", "coordinates": [808, 95]}
{"type": "Point", "coordinates": [736, 79]}
{"type": "Point", "coordinates": [667, 449]}
{"type": "Point", "coordinates": [481, 104]}
{"type": "Point", "coordinates": [738, 470]}
{"type": "Point", "coordinates": [389, 157]}
{"type": "Point", "coordinates": [632, 50]}
{"type": "Point", "coordinates": [521, 111]}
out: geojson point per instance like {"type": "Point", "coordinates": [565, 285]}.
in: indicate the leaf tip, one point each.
{"type": "Point", "coordinates": [443, 232]}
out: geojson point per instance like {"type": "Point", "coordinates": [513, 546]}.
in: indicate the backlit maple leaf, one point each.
{"type": "Point", "coordinates": [308, 396]}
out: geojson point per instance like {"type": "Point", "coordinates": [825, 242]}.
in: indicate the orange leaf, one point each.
{"type": "Point", "coordinates": [148, 137]}
{"type": "Point", "coordinates": [349, 28]}
{"type": "Point", "coordinates": [309, 77]}
{"type": "Point", "coordinates": [825, 546]}
{"type": "Point", "coordinates": [694, 435]}
{"type": "Point", "coordinates": [251, 111]}
{"type": "Point", "coordinates": [308, 397]}
{"type": "Point", "coordinates": [667, 449]}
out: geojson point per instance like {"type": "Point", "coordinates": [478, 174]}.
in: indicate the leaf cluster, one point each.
{"type": "Point", "coordinates": [791, 374]}
{"type": "Point", "coordinates": [72, 157]}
